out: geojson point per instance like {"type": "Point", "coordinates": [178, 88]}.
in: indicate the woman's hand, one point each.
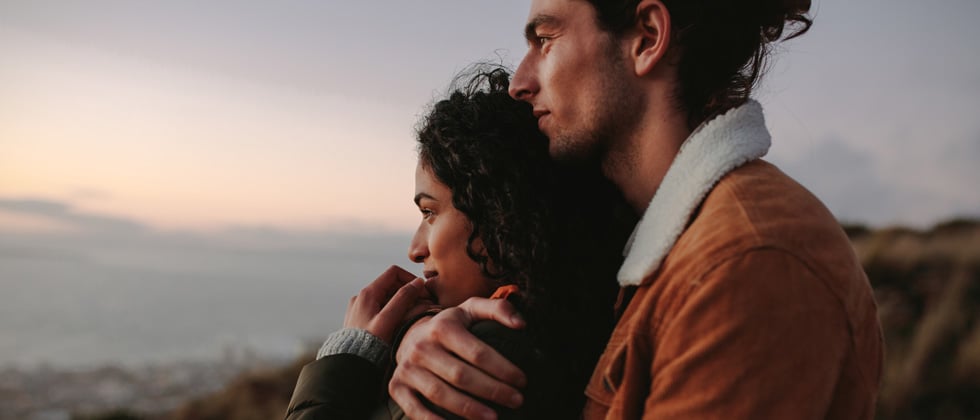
{"type": "Point", "coordinates": [383, 305]}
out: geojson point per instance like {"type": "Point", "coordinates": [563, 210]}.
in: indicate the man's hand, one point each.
{"type": "Point", "coordinates": [385, 303]}
{"type": "Point", "coordinates": [440, 360]}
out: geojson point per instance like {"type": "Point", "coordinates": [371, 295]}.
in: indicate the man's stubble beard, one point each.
{"type": "Point", "coordinates": [615, 116]}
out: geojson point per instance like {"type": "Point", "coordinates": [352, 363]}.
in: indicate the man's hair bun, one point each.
{"type": "Point", "coordinates": [780, 15]}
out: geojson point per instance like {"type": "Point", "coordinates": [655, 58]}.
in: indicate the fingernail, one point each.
{"type": "Point", "coordinates": [517, 319]}
{"type": "Point", "coordinates": [488, 415]}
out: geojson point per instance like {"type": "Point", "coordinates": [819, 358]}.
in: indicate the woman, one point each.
{"type": "Point", "coordinates": [498, 215]}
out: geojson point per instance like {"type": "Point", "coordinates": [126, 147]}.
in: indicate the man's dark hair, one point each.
{"type": "Point", "coordinates": [554, 229]}
{"type": "Point", "coordinates": [723, 45]}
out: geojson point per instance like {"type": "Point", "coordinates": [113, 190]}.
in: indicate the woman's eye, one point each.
{"type": "Point", "coordinates": [542, 40]}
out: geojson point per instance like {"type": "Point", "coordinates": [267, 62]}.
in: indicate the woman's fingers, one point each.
{"type": "Point", "coordinates": [386, 285]}
{"type": "Point", "coordinates": [366, 306]}
{"type": "Point", "coordinates": [350, 310]}
{"type": "Point", "coordinates": [383, 324]}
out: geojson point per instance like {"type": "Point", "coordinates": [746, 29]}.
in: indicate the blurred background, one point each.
{"type": "Point", "coordinates": [190, 191]}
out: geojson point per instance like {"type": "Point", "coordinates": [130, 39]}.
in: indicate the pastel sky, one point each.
{"type": "Point", "coordinates": [189, 115]}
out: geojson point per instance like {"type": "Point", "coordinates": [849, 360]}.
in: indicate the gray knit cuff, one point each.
{"type": "Point", "coordinates": [357, 342]}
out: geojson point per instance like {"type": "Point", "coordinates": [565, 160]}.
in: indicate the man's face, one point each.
{"type": "Point", "coordinates": [575, 77]}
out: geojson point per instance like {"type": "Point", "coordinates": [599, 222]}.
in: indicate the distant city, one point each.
{"type": "Point", "coordinates": [49, 393]}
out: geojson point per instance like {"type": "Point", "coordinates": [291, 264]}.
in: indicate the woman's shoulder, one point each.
{"type": "Point", "coordinates": [516, 345]}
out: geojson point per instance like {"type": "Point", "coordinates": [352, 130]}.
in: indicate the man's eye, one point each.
{"type": "Point", "coordinates": [426, 213]}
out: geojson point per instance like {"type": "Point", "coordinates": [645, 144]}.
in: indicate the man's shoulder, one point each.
{"type": "Point", "coordinates": [759, 208]}
{"type": "Point", "coordinates": [757, 205]}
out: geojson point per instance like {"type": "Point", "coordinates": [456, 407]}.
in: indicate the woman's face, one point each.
{"type": "Point", "coordinates": [440, 244]}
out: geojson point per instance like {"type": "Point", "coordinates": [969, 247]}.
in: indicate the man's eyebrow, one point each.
{"type": "Point", "coordinates": [530, 30]}
{"type": "Point", "coordinates": [420, 196]}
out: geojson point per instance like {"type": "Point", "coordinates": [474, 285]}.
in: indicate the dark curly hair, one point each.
{"type": "Point", "coordinates": [554, 229]}
{"type": "Point", "coordinates": [724, 45]}
{"type": "Point", "coordinates": [486, 148]}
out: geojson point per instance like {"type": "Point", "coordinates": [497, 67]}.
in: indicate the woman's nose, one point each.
{"type": "Point", "coordinates": [417, 249]}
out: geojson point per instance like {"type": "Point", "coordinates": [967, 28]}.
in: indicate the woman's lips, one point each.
{"type": "Point", "coordinates": [430, 285]}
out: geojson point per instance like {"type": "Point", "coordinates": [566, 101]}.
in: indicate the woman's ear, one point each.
{"type": "Point", "coordinates": [652, 33]}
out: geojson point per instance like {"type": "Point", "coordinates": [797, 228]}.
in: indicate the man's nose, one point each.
{"type": "Point", "coordinates": [523, 85]}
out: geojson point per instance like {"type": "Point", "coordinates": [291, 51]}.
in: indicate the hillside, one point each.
{"type": "Point", "coordinates": [928, 289]}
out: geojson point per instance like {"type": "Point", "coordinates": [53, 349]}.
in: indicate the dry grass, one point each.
{"type": "Point", "coordinates": [259, 395]}
{"type": "Point", "coordinates": [928, 290]}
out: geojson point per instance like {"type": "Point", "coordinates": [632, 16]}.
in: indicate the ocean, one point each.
{"type": "Point", "coordinates": [78, 300]}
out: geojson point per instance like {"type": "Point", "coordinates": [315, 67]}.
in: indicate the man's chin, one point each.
{"type": "Point", "coordinates": [576, 151]}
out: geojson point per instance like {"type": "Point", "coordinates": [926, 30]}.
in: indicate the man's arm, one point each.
{"type": "Point", "coordinates": [442, 361]}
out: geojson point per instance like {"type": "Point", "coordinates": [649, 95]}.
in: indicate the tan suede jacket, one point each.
{"type": "Point", "coordinates": [749, 301]}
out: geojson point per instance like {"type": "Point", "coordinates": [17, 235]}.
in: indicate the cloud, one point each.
{"type": "Point", "coordinates": [88, 194]}
{"type": "Point", "coordinates": [39, 207]}
{"type": "Point", "coordinates": [961, 161]}
{"type": "Point", "coordinates": [64, 214]}
{"type": "Point", "coordinates": [123, 242]}
{"type": "Point", "coordinates": [861, 186]}
{"type": "Point", "coordinates": [844, 179]}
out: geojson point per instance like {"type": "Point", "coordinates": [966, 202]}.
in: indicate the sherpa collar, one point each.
{"type": "Point", "coordinates": [714, 149]}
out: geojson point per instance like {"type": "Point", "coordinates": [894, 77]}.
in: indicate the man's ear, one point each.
{"type": "Point", "coordinates": [652, 36]}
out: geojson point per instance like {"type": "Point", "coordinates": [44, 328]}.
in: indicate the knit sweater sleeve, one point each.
{"type": "Point", "coordinates": [358, 342]}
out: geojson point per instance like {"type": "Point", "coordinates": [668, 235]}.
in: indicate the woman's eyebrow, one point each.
{"type": "Point", "coordinates": [420, 196]}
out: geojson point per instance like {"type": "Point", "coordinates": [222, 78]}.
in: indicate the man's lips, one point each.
{"type": "Point", "coordinates": [540, 115]}
{"type": "Point", "coordinates": [429, 275]}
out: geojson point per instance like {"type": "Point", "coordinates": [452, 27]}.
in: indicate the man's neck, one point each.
{"type": "Point", "coordinates": [638, 163]}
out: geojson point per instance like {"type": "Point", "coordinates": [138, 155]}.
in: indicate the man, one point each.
{"type": "Point", "coordinates": [741, 296]}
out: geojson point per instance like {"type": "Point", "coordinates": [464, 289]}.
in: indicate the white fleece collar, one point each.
{"type": "Point", "coordinates": [714, 149]}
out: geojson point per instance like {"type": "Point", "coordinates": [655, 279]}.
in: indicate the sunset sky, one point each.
{"type": "Point", "coordinates": [299, 115]}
